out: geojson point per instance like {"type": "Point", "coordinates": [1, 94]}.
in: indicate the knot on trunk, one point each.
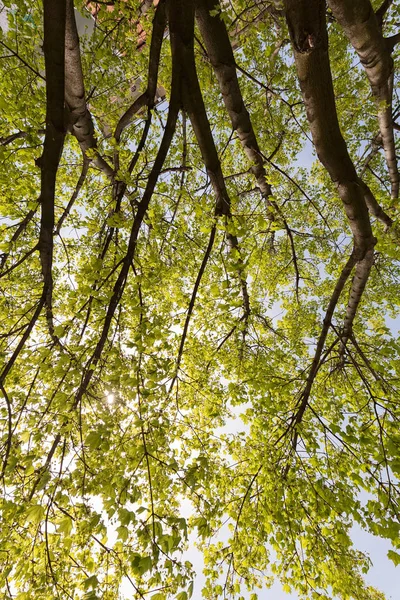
{"type": "Point", "coordinates": [307, 42]}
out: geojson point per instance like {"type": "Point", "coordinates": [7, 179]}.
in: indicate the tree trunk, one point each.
{"type": "Point", "coordinates": [362, 29]}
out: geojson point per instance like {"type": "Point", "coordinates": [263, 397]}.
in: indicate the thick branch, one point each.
{"type": "Point", "coordinates": [362, 29]}
{"type": "Point", "coordinates": [307, 26]}
{"type": "Point", "coordinates": [362, 272]}
{"type": "Point", "coordinates": [80, 119]}
{"type": "Point", "coordinates": [306, 21]}
{"type": "Point", "coordinates": [53, 47]}
{"type": "Point", "coordinates": [219, 49]}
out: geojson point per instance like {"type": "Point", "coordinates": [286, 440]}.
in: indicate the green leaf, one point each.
{"type": "Point", "coordinates": [65, 526]}
{"type": "Point", "coordinates": [91, 582]}
{"type": "Point", "coordinates": [394, 557]}
{"type": "Point", "coordinates": [145, 564]}
{"type": "Point", "coordinates": [93, 440]}
{"type": "Point", "coordinates": [123, 532]}
{"type": "Point", "coordinates": [35, 514]}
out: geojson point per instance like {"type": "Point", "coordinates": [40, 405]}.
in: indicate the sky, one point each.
{"type": "Point", "coordinates": [382, 575]}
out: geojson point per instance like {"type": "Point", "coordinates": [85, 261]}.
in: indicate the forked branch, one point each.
{"type": "Point", "coordinates": [181, 22]}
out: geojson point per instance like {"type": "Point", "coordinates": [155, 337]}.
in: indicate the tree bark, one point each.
{"type": "Point", "coordinates": [220, 52]}
{"type": "Point", "coordinates": [80, 119]}
{"type": "Point", "coordinates": [306, 21]}
{"type": "Point", "coordinates": [361, 26]}
{"type": "Point", "coordinates": [181, 26]}
{"type": "Point", "coordinates": [54, 53]}
{"type": "Point", "coordinates": [307, 27]}
{"type": "Point", "coordinates": [181, 15]}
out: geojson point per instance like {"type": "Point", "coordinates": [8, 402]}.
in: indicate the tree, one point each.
{"type": "Point", "coordinates": [167, 263]}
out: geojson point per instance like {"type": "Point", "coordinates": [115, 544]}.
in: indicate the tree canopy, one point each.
{"type": "Point", "coordinates": [199, 218]}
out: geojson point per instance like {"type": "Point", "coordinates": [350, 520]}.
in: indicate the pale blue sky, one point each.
{"type": "Point", "coordinates": [382, 575]}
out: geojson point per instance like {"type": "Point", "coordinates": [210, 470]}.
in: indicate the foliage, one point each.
{"type": "Point", "coordinates": [119, 386]}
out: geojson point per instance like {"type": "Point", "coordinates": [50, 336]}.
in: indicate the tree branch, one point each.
{"type": "Point", "coordinates": [54, 55]}
{"type": "Point", "coordinates": [307, 27]}
{"type": "Point", "coordinates": [80, 182]}
{"type": "Point", "coordinates": [361, 27]}
{"type": "Point", "coordinates": [313, 69]}
{"type": "Point", "coordinates": [138, 220]}
{"type": "Point", "coordinates": [374, 207]}
{"type": "Point", "coordinates": [362, 272]}
{"type": "Point", "coordinates": [193, 300]}
{"type": "Point", "coordinates": [219, 49]}
{"type": "Point", "coordinates": [220, 52]}
{"type": "Point", "coordinates": [4, 141]}
{"type": "Point", "coordinates": [316, 363]}
{"type": "Point", "coordinates": [80, 119]}
{"type": "Point", "coordinates": [22, 60]}
{"type": "Point", "coordinates": [20, 229]}
{"type": "Point", "coordinates": [148, 97]}
{"type": "Point", "coordinates": [181, 22]}
{"type": "Point", "coordinates": [392, 41]}
{"type": "Point", "coordinates": [381, 12]}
